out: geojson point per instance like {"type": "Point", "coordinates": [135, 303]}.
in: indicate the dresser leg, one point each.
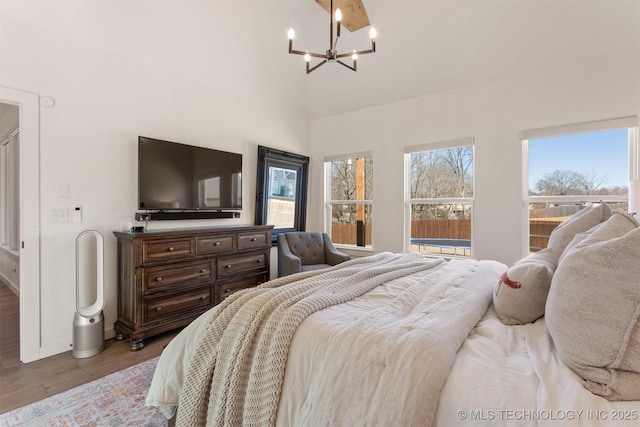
{"type": "Point", "coordinates": [136, 345]}
{"type": "Point", "coordinates": [119, 337]}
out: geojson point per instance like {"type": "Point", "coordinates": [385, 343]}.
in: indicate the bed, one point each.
{"type": "Point", "coordinates": [399, 339]}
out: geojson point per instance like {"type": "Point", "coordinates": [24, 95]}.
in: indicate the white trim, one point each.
{"type": "Point", "coordinates": [350, 202]}
{"type": "Point", "coordinates": [29, 126]}
{"type": "Point", "coordinates": [576, 199]}
{"type": "Point", "coordinates": [442, 200]}
{"type": "Point", "coordinates": [348, 156]}
{"type": "Point", "coordinates": [441, 145]}
{"type": "Point", "coordinates": [570, 129]}
{"type": "Point", "coordinates": [634, 155]}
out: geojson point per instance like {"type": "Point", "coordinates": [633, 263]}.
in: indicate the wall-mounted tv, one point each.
{"type": "Point", "coordinates": [173, 176]}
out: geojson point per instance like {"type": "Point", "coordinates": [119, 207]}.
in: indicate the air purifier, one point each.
{"type": "Point", "coordinates": [88, 320]}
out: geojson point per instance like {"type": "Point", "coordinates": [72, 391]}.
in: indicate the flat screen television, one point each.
{"type": "Point", "coordinates": [173, 176]}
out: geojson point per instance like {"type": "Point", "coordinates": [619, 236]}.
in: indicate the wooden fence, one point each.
{"type": "Point", "coordinates": [346, 234]}
{"type": "Point", "coordinates": [441, 228]}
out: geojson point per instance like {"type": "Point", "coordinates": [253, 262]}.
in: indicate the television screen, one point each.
{"type": "Point", "coordinates": [173, 176]}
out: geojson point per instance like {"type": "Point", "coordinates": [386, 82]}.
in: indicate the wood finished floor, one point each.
{"type": "Point", "coordinates": [24, 383]}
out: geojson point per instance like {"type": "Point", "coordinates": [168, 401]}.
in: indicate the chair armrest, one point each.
{"type": "Point", "coordinates": [288, 263]}
{"type": "Point", "coordinates": [333, 255]}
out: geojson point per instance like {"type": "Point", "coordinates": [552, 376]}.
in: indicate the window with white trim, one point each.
{"type": "Point", "coordinates": [439, 198]}
{"type": "Point", "coordinates": [576, 166]}
{"type": "Point", "coordinates": [349, 199]}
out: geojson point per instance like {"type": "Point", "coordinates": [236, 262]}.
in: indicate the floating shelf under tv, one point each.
{"type": "Point", "coordinates": [168, 215]}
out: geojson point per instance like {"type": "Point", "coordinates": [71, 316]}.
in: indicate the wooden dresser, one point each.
{"type": "Point", "coordinates": [167, 278]}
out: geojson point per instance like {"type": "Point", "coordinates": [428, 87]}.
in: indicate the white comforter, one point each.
{"type": "Point", "coordinates": [513, 376]}
{"type": "Point", "coordinates": [380, 359]}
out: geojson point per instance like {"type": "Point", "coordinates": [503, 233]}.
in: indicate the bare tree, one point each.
{"type": "Point", "coordinates": [560, 183]}
{"type": "Point", "coordinates": [591, 182]}
{"type": "Point", "coordinates": [445, 173]}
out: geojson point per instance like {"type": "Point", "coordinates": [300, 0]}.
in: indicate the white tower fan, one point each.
{"type": "Point", "coordinates": [88, 321]}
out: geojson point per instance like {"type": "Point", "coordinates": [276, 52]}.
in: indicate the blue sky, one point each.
{"type": "Point", "coordinates": [605, 152]}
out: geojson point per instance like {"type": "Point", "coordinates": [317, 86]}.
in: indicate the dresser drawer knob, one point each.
{"type": "Point", "coordinates": [158, 279]}
{"type": "Point", "coordinates": [253, 239]}
{"type": "Point", "coordinates": [217, 244]}
{"type": "Point", "coordinates": [258, 260]}
{"type": "Point", "coordinates": [202, 298]}
{"type": "Point", "coordinates": [203, 271]}
{"type": "Point", "coordinates": [228, 266]}
{"type": "Point", "coordinates": [226, 291]}
{"type": "Point", "coordinates": [171, 249]}
{"type": "Point", "coordinates": [159, 308]}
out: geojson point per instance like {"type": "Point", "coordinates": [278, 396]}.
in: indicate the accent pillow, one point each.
{"type": "Point", "coordinates": [580, 222]}
{"type": "Point", "coordinates": [521, 293]}
{"type": "Point", "coordinates": [617, 225]}
{"type": "Point", "coordinates": [593, 310]}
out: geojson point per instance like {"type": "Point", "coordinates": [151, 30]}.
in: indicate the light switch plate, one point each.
{"type": "Point", "coordinates": [76, 215]}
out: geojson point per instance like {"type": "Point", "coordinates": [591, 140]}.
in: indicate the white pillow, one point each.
{"type": "Point", "coordinates": [580, 222]}
{"type": "Point", "coordinates": [521, 293]}
{"type": "Point", "coordinates": [593, 309]}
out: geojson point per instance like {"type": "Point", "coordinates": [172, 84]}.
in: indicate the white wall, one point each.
{"type": "Point", "coordinates": [595, 88]}
{"type": "Point", "coordinates": [108, 71]}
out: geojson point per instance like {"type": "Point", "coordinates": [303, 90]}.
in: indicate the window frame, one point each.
{"type": "Point", "coordinates": [271, 157]}
{"type": "Point", "coordinates": [630, 123]}
{"type": "Point", "coordinates": [329, 203]}
{"type": "Point", "coordinates": [409, 202]}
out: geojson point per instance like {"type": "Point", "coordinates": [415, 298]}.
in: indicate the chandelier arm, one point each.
{"type": "Point", "coordinates": [354, 68]}
{"type": "Point", "coordinates": [360, 52]}
{"type": "Point", "coordinates": [315, 66]}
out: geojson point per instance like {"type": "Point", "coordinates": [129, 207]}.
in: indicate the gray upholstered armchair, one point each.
{"type": "Point", "coordinates": [305, 251]}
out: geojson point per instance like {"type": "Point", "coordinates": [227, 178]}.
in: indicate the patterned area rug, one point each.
{"type": "Point", "coordinates": [114, 400]}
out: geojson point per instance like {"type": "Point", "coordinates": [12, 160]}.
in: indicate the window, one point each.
{"type": "Point", "coordinates": [349, 196]}
{"type": "Point", "coordinates": [281, 190]}
{"type": "Point", "coordinates": [439, 198]}
{"type": "Point", "coordinates": [575, 166]}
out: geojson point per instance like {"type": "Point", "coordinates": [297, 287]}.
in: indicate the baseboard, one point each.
{"type": "Point", "coordinates": [14, 287]}
{"type": "Point", "coordinates": [64, 346]}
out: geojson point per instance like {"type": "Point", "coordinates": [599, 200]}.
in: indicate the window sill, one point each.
{"type": "Point", "coordinates": [354, 251]}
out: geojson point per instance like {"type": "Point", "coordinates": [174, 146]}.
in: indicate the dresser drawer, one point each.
{"type": "Point", "coordinates": [175, 276]}
{"type": "Point", "coordinates": [215, 244]}
{"type": "Point", "coordinates": [238, 264]}
{"type": "Point", "coordinates": [253, 240]}
{"type": "Point", "coordinates": [166, 307]}
{"type": "Point", "coordinates": [231, 287]}
{"type": "Point", "coordinates": [161, 250]}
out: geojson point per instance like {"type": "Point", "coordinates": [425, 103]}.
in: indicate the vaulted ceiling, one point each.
{"type": "Point", "coordinates": [423, 46]}
{"type": "Point", "coordinates": [429, 46]}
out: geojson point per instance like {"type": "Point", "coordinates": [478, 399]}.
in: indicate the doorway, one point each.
{"type": "Point", "coordinates": [29, 219]}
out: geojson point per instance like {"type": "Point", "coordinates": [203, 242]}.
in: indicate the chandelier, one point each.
{"type": "Point", "coordinates": [332, 55]}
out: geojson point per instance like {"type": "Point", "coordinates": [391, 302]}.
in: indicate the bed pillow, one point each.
{"type": "Point", "coordinates": [593, 309]}
{"type": "Point", "coordinates": [579, 222]}
{"type": "Point", "coordinates": [521, 292]}
{"type": "Point", "coordinates": [617, 225]}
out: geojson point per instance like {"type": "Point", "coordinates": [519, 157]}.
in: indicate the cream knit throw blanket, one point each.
{"type": "Point", "coordinates": [237, 370]}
